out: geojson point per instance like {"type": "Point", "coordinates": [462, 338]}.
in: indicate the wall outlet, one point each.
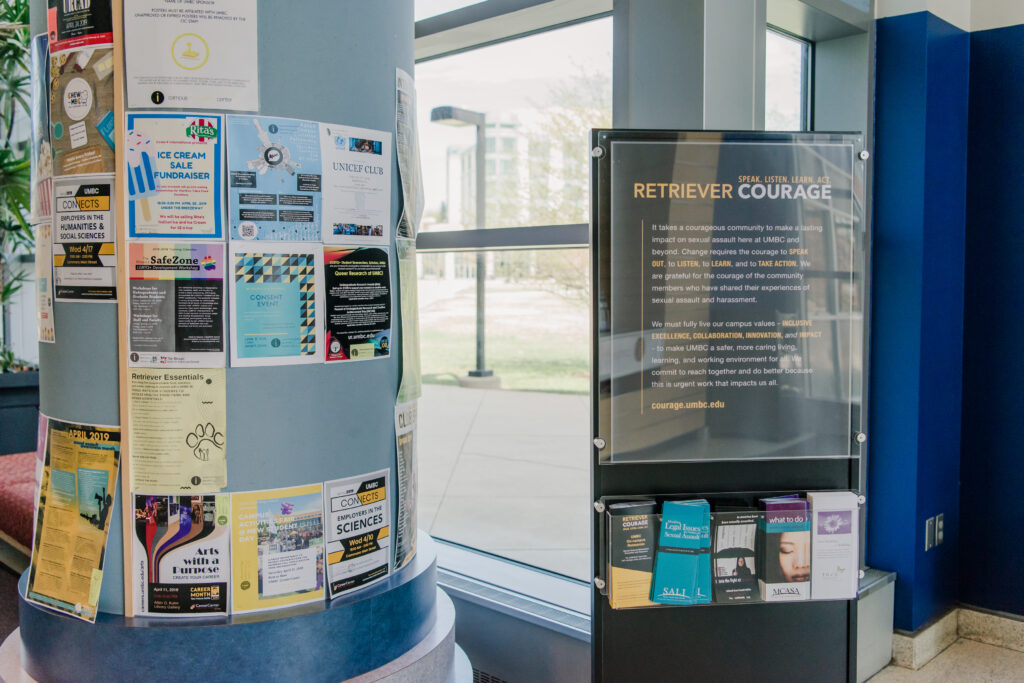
{"type": "Point", "coordinates": [929, 534]}
{"type": "Point", "coordinates": [940, 523]}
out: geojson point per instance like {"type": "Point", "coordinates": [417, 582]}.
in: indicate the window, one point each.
{"type": "Point", "coordinates": [787, 79]}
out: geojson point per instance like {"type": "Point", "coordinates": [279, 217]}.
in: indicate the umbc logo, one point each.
{"type": "Point", "coordinates": [201, 130]}
{"type": "Point", "coordinates": [209, 263]}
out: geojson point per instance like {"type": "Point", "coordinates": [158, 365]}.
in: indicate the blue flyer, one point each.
{"type": "Point", "coordinates": [275, 178]}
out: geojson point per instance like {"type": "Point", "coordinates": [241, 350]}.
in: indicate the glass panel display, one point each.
{"type": "Point", "coordinates": [730, 296]}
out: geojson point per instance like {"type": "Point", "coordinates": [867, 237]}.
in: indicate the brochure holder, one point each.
{"type": "Point", "coordinates": [729, 286]}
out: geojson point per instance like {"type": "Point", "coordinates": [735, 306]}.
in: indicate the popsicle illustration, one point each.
{"type": "Point", "coordinates": [141, 180]}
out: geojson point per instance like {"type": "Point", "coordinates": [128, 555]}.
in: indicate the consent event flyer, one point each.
{"type": "Point", "coordinates": [178, 440]}
{"type": "Point", "coordinates": [81, 110]}
{"type": "Point", "coordinates": [191, 55]}
{"type": "Point", "coordinates": [357, 184]}
{"type": "Point", "coordinates": [275, 179]}
{"type": "Point", "coordinates": [357, 283]}
{"type": "Point", "coordinates": [76, 495]}
{"type": "Point", "coordinates": [84, 256]}
{"type": "Point", "coordinates": [277, 548]}
{"type": "Point", "coordinates": [405, 525]}
{"type": "Point", "coordinates": [274, 318]}
{"type": "Point", "coordinates": [358, 531]}
{"type": "Point", "coordinates": [180, 561]}
{"type": "Point", "coordinates": [176, 304]}
{"type": "Point", "coordinates": [173, 178]}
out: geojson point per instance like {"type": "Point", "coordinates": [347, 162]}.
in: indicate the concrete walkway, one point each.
{"type": "Point", "coordinates": [507, 472]}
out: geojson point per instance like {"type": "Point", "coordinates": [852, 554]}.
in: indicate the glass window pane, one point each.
{"type": "Point", "coordinates": [431, 8]}
{"type": "Point", "coordinates": [541, 96]}
{"type": "Point", "coordinates": [786, 76]}
{"type": "Point", "coordinates": [497, 465]}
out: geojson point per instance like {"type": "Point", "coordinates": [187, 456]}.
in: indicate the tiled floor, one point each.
{"type": "Point", "coordinates": [507, 472]}
{"type": "Point", "coordinates": [965, 661]}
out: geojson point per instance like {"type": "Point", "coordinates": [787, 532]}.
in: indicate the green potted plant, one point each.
{"type": "Point", "coordinates": [19, 382]}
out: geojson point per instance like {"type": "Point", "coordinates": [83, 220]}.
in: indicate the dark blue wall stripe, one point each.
{"type": "Point", "coordinates": [992, 472]}
{"type": "Point", "coordinates": [920, 153]}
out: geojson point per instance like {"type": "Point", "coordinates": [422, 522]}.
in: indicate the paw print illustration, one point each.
{"type": "Point", "coordinates": [203, 440]}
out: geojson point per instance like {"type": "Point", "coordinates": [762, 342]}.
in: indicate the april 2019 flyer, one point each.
{"type": "Point", "coordinates": [357, 185]}
{"type": "Point", "coordinates": [76, 496]}
{"type": "Point", "coordinates": [173, 175]}
{"type": "Point", "coordinates": [358, 511]}
{"type": "Point", "coordinates": [274, 292]}
{"type": "Point", "coordinates": [275, 179]}
{"type": "Point", "coordinates": [81, 110]}
{"type": "Point", "coordinates": [181, 566]}
{"type": "Point", "coordinates": [405, 524]}
{"type": "Point", "coordinates": [277, 548]}
{"type": "Point", "coordinates": [357, 286]}
{"type": "Point", "coordinates": [176, 304]}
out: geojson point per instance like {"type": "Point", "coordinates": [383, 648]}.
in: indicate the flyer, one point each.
{"type": "Point", "coordinates": [84, 257]}
{"type": "Point", "coordinates": [81, 110]}
{"type": "Point", "coordinates": [358, 514]}
{"type": "Point", "coordinates": [176, 304]}
{"type": "Point", "coordinates": [192, 55]}
{"type": "Point", "coordinates": [274, 179]}
{"type": "Point", "coordinates": [357, 287]}
{"type": "Point", "coordinates": [357, 185]}
{"type": "Point", "coordinates": [41, 181]}
{"type": "Point", "coordinates": [44, 283]}
{"type": "Point", "coordinates": [275, 318]}
{"type": "Point", "coordinates": [178, 425]}
{"type": "Point", "coordinates": [277, 548]}
{"type": "Point", "coordinates": [410, 387]}
{"type": "Point", "coordinates": [79, 23]}
{"type": "Point", "coordinates": [174, 175]}
{"type": "Point", "coordinates": [180, 558]}
{"type": "Point", "coordinates": [405, 525]}
{"type": "Point", "coordinates": [408, 146]}
{"type": "Point", "coordinates": [72, 519]}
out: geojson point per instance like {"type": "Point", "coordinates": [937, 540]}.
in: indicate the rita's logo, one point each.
{"type": "Point", "coordinates": [209, 263]}
{"type": "Point", "coordinates": [201, 130]}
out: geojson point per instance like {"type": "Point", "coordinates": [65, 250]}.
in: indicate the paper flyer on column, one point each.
{"type": "Point", "coordinates": [81, 110]}
{"type": "Point", "coordinates": [275, 179]}
{"type": "Point", "coordinates": [408, 146]}
{"type": "Point", "coordinates": [277, 548]}
{"type": "Point", "coordinates": [358, 514]}
{"type": "Point", "coordinates": [357, 287]}
{"type": "Point", "coordinates": [84, 256]}
{"type": "Point", "coordinates": [44, 283]}
{"type": "Point", "coordinates": [176, 304]}
{"type": "Point", "coordinates": [275, 318]}
{"type": "Point", "coordinates": [357, 185]}
{"type": "Point", "coordinates": [76, 495]}
{"type": "Point", "coordinates": [405, 525]}
{"type": "Point", "coordinates": [410, 388]}
{"type": "Point", "coordinates": [41, 185]}
{"type": "Point", "coordinates": [180, 561]}
{"type": "Point", "coordinates": [79, 23]}
{"type": "Point", "coordinates": [192, 55]}
{"type": "Point", "coordinates": [173, 175]}
{"type": "Point", "coordinates": [178, 438]}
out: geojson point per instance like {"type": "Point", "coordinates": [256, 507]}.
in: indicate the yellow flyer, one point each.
{"type": "Point", "coordinates": [277, 548]}
{"type": "Point", "coordinates": [76, 495]}
{"type": "Point", "coordinates": [177, 436]}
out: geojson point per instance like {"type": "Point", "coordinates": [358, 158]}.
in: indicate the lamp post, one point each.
{"type": "Point", "coordinates": [456, 116]}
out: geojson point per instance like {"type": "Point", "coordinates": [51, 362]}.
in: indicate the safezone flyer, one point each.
{"type": "Point", "coordinates": [173, 175]}
{"type": "Point", "coordinates": [277, 543]}
{"type": "Point", "coordinates": [275, 179]}
{"type": "Point", "coordinates": [358, 514]}
{"type": "Point", "coordinates": [180, 561]}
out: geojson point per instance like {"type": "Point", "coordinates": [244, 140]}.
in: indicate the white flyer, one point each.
{"type": "Point", "coordinates": [356, 185]}
{"type": "Point", "coordinates": [44, 282]}
{"type": "Point", "coordinates": [189, 55]}
{"type": "Point", "coordinates": [358, 511]}
{"type": "Point", "coordinates": [405, 522]}
{"type": "Point", "coordinates": [408, 145]}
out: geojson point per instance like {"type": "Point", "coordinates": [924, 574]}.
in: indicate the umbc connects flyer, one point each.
{"type": "Point", "coordinates": [358, 513]}
{"type": "Point", "coordinates": [180, 560]}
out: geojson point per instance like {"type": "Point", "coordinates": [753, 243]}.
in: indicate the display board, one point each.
{"type": "Point", "coordinates": [729, 285]}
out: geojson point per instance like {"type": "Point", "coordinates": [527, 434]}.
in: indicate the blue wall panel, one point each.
{"type": "Point", "coordinates": [917, 301]}
{"type": "Point", "coordinates": [992, 471]}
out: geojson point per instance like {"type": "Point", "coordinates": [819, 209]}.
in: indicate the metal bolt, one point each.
{"type": "Point", "coordinates": [861, 500]}
{"type": "Point", "coordinates": [860, 437]}
{"type": "Point", "coordinates": [599, 506]}
{"type": "Point", "coordinates": [864, 155]}
{"type": "Point", "coordinates": [860, 574]}
{"type": "Point", "coordinates": [597, 152]}
{"type": "Point", "coordinates": [600, 443]}
{"type": "Point", "coordinates": [599, 582]}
